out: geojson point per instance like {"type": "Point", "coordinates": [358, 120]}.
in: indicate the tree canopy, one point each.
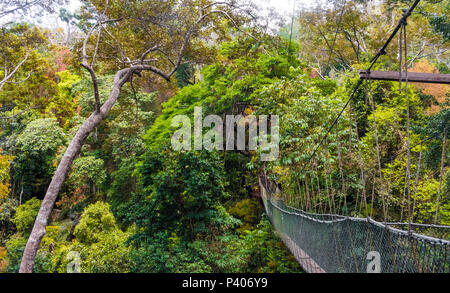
{"type": "Point", "coordinates": [87, 170]}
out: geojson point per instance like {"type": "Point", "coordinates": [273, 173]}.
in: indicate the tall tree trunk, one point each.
{"type": "Point", "coordinates": [72, 151]}
{"type": "Point", "coordinates": [94, 120]}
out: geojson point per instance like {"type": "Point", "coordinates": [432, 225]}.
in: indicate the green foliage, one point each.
{"type": "Point", "coordinates": [145, 208]}
{"type": "Point", "coordinates": [5, 162]}
{"type": "Point", "coordinates": [25, 89]}
{"type": "Point", "coordinates": [241, 180]}
{"type": "Point", "coordinates": [83, 89]}
{"type": "Point", "coordinates": [110, 255]}
{"type": "Point", "coordinates": [99, 242]}
{"type": "Point", "coordinates": [36, 153]}
{"type": "Point", "coordinates": [7, 209]}
{"type": "Point", "coordinates": [241, 71]}
{"type": "Point", "coordinates": [183, 190]}
{"type": "Point", "coordinates": [23, 219]}
{"type": "Point", "coordinates": [87, 173]}
{"type": "Point", "coordinates": [96, 221]}
{"type": "Point", "coordinates": [182, 224]}
{"type": "Point", "coordinates": [41, 138]}
{"type": "Point", "coordinates": [26, 215]}
{"type": "Point", "coordinates": [440, 23]}
{"type": "Point", "coordinates": [248, 211]}
{"type": "Point", "coordinates": [7, 201]}
{"type": "Point", "coordinates": [88, 169]}
{"type": "Point", "coordinates": [259, 251]}
{"type": "Point", "coordinates": [63, 103]}
{"type": "Point", "coordinates": [184, 73]}
{"type": "Point", "coordinates": [266, 253]}
{"type": "Point", "coordinates": [14, 247]}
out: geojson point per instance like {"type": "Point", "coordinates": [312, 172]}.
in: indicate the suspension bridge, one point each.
{"type": "Point", "coordinates": [340, 244]}
{"type": "Point", "coordinates": [320, 231]}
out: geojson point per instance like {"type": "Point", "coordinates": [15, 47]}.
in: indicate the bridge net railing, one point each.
{"type": "Point", "coordinates": [339, 244]}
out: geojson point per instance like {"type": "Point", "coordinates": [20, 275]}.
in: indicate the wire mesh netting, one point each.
{"type": "Point", "coordinates": [339, 244]}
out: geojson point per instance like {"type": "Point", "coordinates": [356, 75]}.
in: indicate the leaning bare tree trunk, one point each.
{"type": "Point", "coordinates": [94, 120]}
{"type": "Point", "coordinates": [72, 151]}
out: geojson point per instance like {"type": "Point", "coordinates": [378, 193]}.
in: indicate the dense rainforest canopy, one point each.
{"type": "Point", "coordinates": [99, 93]}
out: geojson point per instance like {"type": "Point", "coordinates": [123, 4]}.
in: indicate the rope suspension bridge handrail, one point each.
{"type": "Point", "coordinates": [344, 243]}
{"type": "Point", "coordinates": [340, 218]}
{"type": "Point", "coordinates": [358, 219]}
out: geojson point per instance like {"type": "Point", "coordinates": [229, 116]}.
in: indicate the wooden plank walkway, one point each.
{"type": "Point", "coordinates": [305, 261]}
